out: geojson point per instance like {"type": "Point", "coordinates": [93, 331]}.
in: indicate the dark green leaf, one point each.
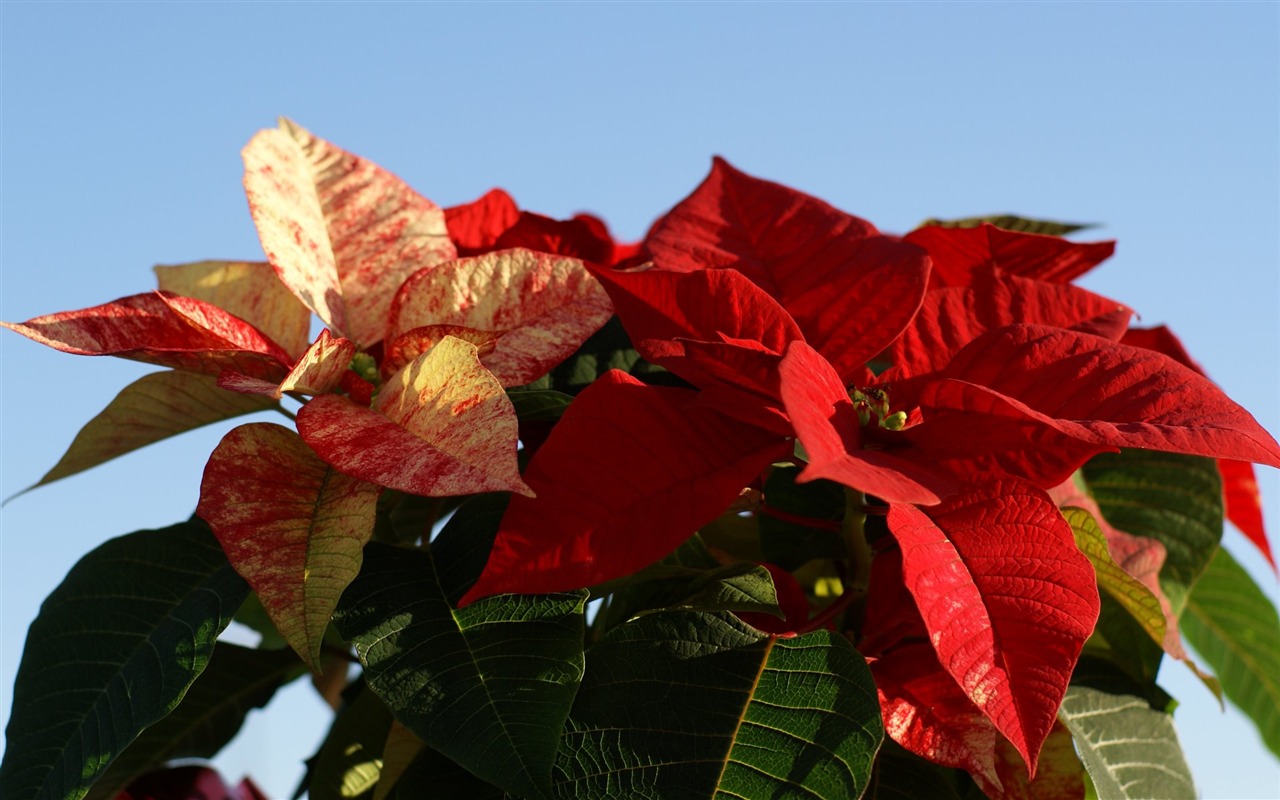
{"type": "Point", "coordinates": [431, 775]}
{"type": "Point", "coordinates": [236, 681]}
{"type": "Point", "coordinates": [1129, 748]}
{"type": "Point", "coordinates": [114, 650]}
{"type": "Point", "coordinates": [538, 405]}
{"type": "Point", "coordinates": [349, 762]}
{"type": "Point", "coordinates": [488, 686]}
{"type": "Point", "coordinates": [691, 705]}
{"type": "Point", "coordinates": [800, 521]}
{"type": "Point", "coordinates": [901, 775]}
{"type": "Point", "coordinates": [1011, 222]}
{"type": "Point", "coordinates": [1173, 498]}
{"type": "Point", "coordinates": [1230, 622]}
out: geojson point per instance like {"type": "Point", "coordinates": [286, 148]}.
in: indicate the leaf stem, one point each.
{"type": "Point", "coordinates": [286, 412]}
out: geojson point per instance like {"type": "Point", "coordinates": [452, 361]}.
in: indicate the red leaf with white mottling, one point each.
{"type": "Point", "coordinates": [475, 227]}
{"type": "Point", "coordinates": [628, 473]}
{"type": "Point", "coordinates": [1007, 597]}
{"type": "Point", "coordinates": [952, 317]}
{"type": "Point", "coordinates": [442, 426]}
{"type": "Point", "coordinates": [849, 289]}
{"type": "Point", "coordinates": [827, 424]}
{"type": "Point", "coordinates": [290, 525]}
{"type": "Point", "coordinates": [959, 254]}
{"type": "Point", "coordinates": [251, 291]}
{"type": "Point", "coordinates": [1239, 484]}
{"type": "Point", "coordinates": [340, 231]}
{"type": "Point", "coordinates": [543, 305]}
{"type": "Point", "coordinates": [170, 331]}
{"type": "Point", "coordinates": [413, 343]}
{"type": "Point", "coordinates": [318, 371]}
{"type": "Point", "coordinates": [1108, 393]}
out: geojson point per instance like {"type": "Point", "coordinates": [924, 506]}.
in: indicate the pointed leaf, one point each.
{"type": "Point", "coordinates": [1007, 598]}
{"type": "Point", "coordinates": [628, 474]}
{"type": "Point", "coordinates": [850, 290]}
{"type": "Point", "coordinates": [1129, 748]}
{"type": "Point", "coordinates": [1108, 393]}
{"type": "Point", "coordinates": [236, 681]}
{"type": "Point", "coordinates": [1174, 499]}
{"type": "Point", "coordinates": [151, 409]}
{"type": "Point", "coordinates": [952, 317]}
{"type": "Point", "coordinates": [400, 750]}
{"type": "Point", "coordinates": [742, 715]}
{"type": "Point", "coordinates": [169, 331]}
{"type": "Point", "coordinates": [959, 253]}
{"type": "Point", "coordinates": [341, 232]}
{"type": "Point", "coordinates": [319, 370]}
{"type": "Point", "coordinates": [475, 227]}
{"type": "Point", "coordinates": [349, 762]}
{"type": "Point", "coordinates": [441, 426]}
{"type": "Point", "coordinates": [544, 306]}
{"type": "Point", "coordinates": [1136, 598]}
{"type": "Point", "coordinates": [1234, 625]}
{"type": "Point", "coordinates": [292, 526]}
{"type": "Point", "coordinates": [1012, 222]}
{"type": "Point", "coordinates": [1239, 485]}
{"type": "Point", "coordinates": [250, 290]}
{"type": "Point", "coordinates": [489, 686]}
{"type": "Point", "coordinates": [114, 649]}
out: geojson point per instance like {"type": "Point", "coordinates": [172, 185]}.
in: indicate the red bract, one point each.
{"type": "Point", "coordinates": [1239, 484]}
{"type": "Point", "coordinates": [494, 222]}
{"type": "Point", "coordinates": [628, 473]}
{"type": "Point", "coordinates": [960, 254]}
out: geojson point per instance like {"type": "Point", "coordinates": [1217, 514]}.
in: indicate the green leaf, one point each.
{"type": "Point", "coordinates": [488, 686]}
{"type": "Point", "coordinates": [902, 775]}
{"type": "Point", "coordinates": [150, 409]}
{"type": "Point", "coordinates": [1135, 598]}
{"type": "Point", "coordinates": [538, 405]}
{"type": "Point", "coordinates": [236, 681]}
{"type": "Point", "coordinates": [114, 649]}
{"type": "Point", "coordinates": [431, 775]}
{"type": "Point", "coordinates": [695, 705]}
{"type": "Point", "coordinates": [349, 762]}
{"type": "Point", "coordinates": [1173, 498]}
{"type": "Point", "coordinates": [800, 521]}
{"type": "Point", "coordinates": [1011, 222]}
{"type": "Point", "coordinates": [1230, 622]}
{"type": "Point", "coordinates": [1130, 750]}
{"type": "Point", "coordinates": [606, 349]}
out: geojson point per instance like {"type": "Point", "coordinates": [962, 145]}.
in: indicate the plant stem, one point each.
{"type": "Point", "coordinates": [286, 412]}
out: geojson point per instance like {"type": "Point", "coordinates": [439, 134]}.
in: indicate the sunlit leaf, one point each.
{"type": "Point", "coordinates": [958, 253]}
{"type": "Point", "coordinates": [151, 409]}
{"type": "Point", "coordinates": [170, 331]}
{"type": "Point", "coordinates": [319, 370]}
{"type": "Point", "coordinates": [543, 306]}
{"type": "Point", "coordinates": [114, 649]}
{"type": "Point", "coordinates": [250, 290]}
{"type": "Point", "coordinates": [291, 525]}
{"type": "Point", "coordinates": [1174, 499]}
{"type": "Point", "coordinates": [341, 232]}
{"type": "Point", "coordinates": [1130, 749]}
{"type": "Point", "coordinates": [489, 686]}
{"type": "Point", "coordinates": [628, 474]}
{"type": "Point", "coordinates": [441, 426]}
{"type": "Point", "coordinates": [1007, 598]}
{"type": "Point", "coordinates": [1011, 222]}
{"type": "Point", "coordinates": [1233, 624]}
{"type": "Point", "coordinates": [776, 717]}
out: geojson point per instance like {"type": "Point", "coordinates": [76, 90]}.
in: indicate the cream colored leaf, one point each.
{"type": "Point", "coordinates": [250, 290]}
{"type": "Point", "coordinates": [292, 526]}
{"type": "Point", "coordinates": [547, 305]}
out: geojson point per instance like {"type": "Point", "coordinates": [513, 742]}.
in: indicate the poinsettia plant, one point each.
{"type": "Point", "coordinates": [770, 504]}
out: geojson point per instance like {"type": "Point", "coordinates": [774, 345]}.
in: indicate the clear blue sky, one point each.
{"type": "Point", "coordinates": [122, 123]}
